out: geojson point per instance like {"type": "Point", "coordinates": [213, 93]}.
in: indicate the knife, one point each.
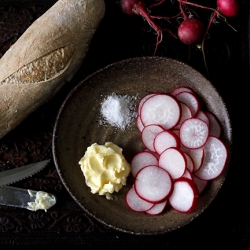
{"type": "Point", "coordinates": [25, 198]}
{"type": "Point", "coordinates": [16, 174]}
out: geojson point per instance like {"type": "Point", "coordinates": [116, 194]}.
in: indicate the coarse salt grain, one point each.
{"type": "Point", "coordinates": [119, 110]}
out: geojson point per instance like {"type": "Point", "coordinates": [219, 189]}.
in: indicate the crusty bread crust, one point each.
{"type": "Point", "coordinates": [45, 57]}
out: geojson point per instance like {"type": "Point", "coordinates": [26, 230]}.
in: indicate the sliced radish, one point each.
{"type": "Point", "coordinates": [173, 161]}
{"type": "Point", "coordinates": [165, 139]}
{"type": "Point", "coordinates": [191, 100]}
{"type": "Point", "coordinates": [135, 202]}
{"type": "Point", "coordinates": [185, 114]}
{"type": "Point", "coordinates": [161, 109]}
{"type": "Point", "coordinates": [214, 125]}
{"type": "Point", "coordinates": [180, 89]}
{"type": "Point", "coordinates": [188, 175]}
{"type": "Point", "coordinates": [139, 124]}
{"type": "Point", "coordinates": [148, 135]}
{"type": "Point", "coordinates": [194, 133]}
{"type": "Point", "coordinates": [157, 208]}
{"type": "Point", "coordinates": [190, 162]}
{"type": "Point", "coordinates": [142, 102]}
{"type": "Point", "coordinates": [215, 157]}
{"type": "Point", "coordinates": [202, 115]}
{"type": "Point", "coordinates": [141, 160]}
{"type": "Point", "coordinates": [201, 184]}
{"type": "Point", "coordinates": [154, 153]}
{"type": "Point", "coordinates": [153, 184]}
{"type": "Point", "coordinates": [184, 197]}
{"type": "Point", "coordinates": [182, 152]}
{"type": "Point", "coordinates": [196, 154]}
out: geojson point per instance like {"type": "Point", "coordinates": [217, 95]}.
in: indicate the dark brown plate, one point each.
{"type": "Point", "coordinates": [77, 127]}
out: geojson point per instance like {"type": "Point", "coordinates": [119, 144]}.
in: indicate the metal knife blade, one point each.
{"type": "Point", "coordinates": [25, 198]}
{"type": "Point", "coordinates": [16, 174]}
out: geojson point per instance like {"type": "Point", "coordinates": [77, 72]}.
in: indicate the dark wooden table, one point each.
{"type": "Point", "coordinates": [225, 224]}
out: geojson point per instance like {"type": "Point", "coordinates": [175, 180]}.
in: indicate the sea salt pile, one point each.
{"type": "Point", "coordinates": [119, 110]}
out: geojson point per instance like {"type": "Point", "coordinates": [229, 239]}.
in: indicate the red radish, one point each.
{"type": "Point", "coordinates": [214, 159]}
{"type": "Point", "coordinates": [135, 202]}
{"type": "Point", "coordinates": [153, 184]}
{"type": "Point", "coordinates": [180, 89]}
{"type": "Point", "coordinates": [157, 208]}
{"type": "Point", "coordinates": [191, 31]}
{"type": "Point", "coordinates": [173, 161]}
{"type": "Point", "coordinates": [148, 135]}
{"type": "Point", "coordinates": [229, 8]}
{"type": "Point", "coordinates": [161, 109]}
{"type": "Point", "coordinates": [191, 100]}
{"type": "Point", "coordinates": [184, 197]}
{"type": "Point", "coordinates": [142, 159]}
{"type": "Point", "coordinates": [194, 133]}
{"type": "Point", "coordinates": [165, 139]}
{"type": "Point", "coordinates": [215, 127]}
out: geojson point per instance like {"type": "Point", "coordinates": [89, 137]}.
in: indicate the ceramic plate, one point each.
{"type": "Point", "coordinates": [78, 126]}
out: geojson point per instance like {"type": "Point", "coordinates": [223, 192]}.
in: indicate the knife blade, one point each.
{"type": "Point", "coordinates": [16, 174]}
{"type": "Point", "coordinates": [25, 198]}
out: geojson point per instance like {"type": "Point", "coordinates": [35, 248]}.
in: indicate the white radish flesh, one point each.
{"type": "Point", "coordinates": [164, 140]}
{"type": "Point", "coordinates": [139, 124]}
{"type": "Point", "coordinates": [142, 102]}
{"type": "Point", "coordinates": [173, 161]}
{"type": "Point", "coordinates": [188, 175]}
{"type": "Point", "coordinates": [161, 109]}
{"type": "Point", "coordinates": [180, 89]}
{"type": "Point", "coordinates": [214, 125]}
{"type": "Point", "coordinates": [194, 133]}
{"type": "Point", "coordinates": [215, 156]}
{"type": "Point", "coordinates": [191, 100]}
{"type": "Point", "coordinates": [135, 202]}
{"type": "Point", "coordinates": [184, 197]}
{"type": "Point", "coordinates": [190, 162]}
{"type": "Point", "coordinates": [148, 135]}
{"type": "Point", "coordinates": [201, 184]}
{"type": "Point", "coordinates": [185, 114]}
{"type": "Point", "coordinates": [197, 155]}
{"type": "Point", "coordinates": [153, 184]}
{"type": "Point", "coordinates": [202, 115]}
{"type": "Point", "coordinates": [157, 208]}
{"type": "Point", "coordinates": [141, 160]}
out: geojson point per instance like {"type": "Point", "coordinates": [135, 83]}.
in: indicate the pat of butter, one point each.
{"type": "Point", "coordinates": [105, 168]}
{"type": "Point", "coordinates": [43, 200]}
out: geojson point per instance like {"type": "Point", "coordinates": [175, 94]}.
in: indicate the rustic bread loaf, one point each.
{"type": "Point", "coordinates": [45, 57]}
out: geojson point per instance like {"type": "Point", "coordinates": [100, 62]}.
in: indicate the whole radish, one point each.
{"type": "Point", "coordinates": [138, 7]}
{"type": "Point", "coordinates": [229, 8]}
{"type": "Point", "coordinates": [191, 31]}
{"type": "Point", "coordinates": [133, 7]}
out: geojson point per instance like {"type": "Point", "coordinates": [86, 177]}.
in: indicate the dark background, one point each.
{"type": "Point", "coordinates": [225, 224]}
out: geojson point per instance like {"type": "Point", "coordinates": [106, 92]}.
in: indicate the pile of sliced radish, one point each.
{"type": "Point", "coordinates": [183, 152]}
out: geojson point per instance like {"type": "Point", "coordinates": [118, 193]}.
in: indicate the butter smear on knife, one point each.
{"type": "Point", "coordinates": [43, 200]}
